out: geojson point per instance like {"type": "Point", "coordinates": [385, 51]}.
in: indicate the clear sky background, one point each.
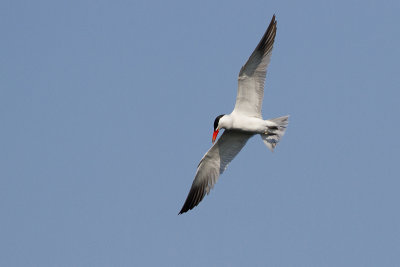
{"type": "Point", "coordinates": [106, 108]}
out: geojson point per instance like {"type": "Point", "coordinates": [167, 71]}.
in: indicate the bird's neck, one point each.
{"type": "Point", "coordinates": [226, 122]}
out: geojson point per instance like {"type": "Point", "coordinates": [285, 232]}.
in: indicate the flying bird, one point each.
{"type": "Point", "coordinates": [244, 122]}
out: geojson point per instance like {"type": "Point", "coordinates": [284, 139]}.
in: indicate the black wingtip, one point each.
{"type": "Point", "coordinates": [195, 196]}
{"type": "Point", "coordinates": [184, 209]}
{"type": "Point", "coordinates": [181, 212]}
{"type": "Point", "coordinates": [273, 20]}
{"type": "Point", "coordinates": [186, 206]}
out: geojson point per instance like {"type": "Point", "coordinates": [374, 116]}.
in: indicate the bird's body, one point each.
{"type": "Point", "coordinates": [244, 122]}
{"type": "Point", "coordinates": [239, 122]}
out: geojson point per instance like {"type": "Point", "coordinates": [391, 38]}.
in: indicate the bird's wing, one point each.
{"type": "Point", "coordinates": [252, 75]}
{"type": "Point", "coordinates": [213, 164]}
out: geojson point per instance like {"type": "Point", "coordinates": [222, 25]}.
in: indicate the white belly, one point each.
{"type": "Point", "coordinates": [248, 124]}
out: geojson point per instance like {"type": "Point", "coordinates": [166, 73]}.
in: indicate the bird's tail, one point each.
{"type": "Point", "coordinates": [275, 131]}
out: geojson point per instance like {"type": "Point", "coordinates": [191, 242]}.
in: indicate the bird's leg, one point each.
{"type": "Point", "coordinates": [270, 130]}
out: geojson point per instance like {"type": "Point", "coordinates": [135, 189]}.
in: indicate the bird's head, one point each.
{"type": "Point", "coordinates": [217, 127]}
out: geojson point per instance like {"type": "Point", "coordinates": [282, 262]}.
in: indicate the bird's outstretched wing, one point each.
{"type": "Point", "coordinates": [213, 164]}
{"type": "Point", "coordinates": [252, 75]}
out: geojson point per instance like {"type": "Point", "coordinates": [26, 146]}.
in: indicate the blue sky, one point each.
{"type": "Point", "coordinates": [106, 108]}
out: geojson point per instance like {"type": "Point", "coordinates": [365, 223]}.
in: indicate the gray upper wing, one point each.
{"type": "Point", "coordinates": [252, 75]}
{"type": "Point", "coordinates": [213, 164]}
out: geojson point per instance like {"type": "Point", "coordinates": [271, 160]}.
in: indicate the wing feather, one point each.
{"type": "Point", "coordinates": [252, 75]}
{"type": "Point", "coordinates": [214, 162]}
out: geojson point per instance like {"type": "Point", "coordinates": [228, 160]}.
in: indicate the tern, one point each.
{"type": "Point", "coordinates": [244, 122]}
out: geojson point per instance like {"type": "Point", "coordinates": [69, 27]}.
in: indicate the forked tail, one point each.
{"type": "Point", "coordinates": [275, 132]}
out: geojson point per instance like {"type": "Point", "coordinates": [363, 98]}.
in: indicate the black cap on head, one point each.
{"type": "Point", "coordinates": [217, 121]}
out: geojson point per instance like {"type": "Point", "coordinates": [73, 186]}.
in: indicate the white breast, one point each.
{"type": "Point", "coordinates": [235, 121]}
